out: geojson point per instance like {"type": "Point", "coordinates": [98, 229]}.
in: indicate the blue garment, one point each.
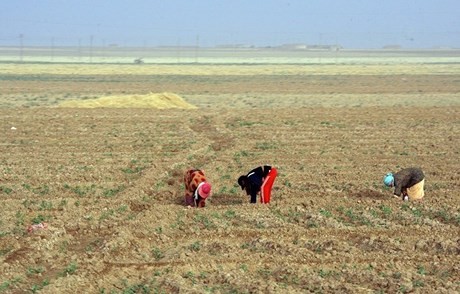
{"type": "Point", "coordinates": [388, 180]}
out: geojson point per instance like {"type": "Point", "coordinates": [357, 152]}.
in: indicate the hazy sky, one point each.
{"type": "Point", "coordinates": [350, 23]}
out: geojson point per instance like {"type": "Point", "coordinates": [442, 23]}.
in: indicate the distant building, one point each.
{"type": "Point", "coordinates": [310, 47]}
{"type": "Point", "coordinates": [392, 47]}
{"type": "Point", "coordinates": [293, 46]}
{"type": "Point", "coordinates": [240, 46]}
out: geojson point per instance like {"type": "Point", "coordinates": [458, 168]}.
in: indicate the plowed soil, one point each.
{"type": "Point", "coordinates": [108, 184]}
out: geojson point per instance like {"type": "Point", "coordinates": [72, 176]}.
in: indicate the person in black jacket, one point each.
{"type": "Point", "coordinates": [261, 180]}
{"type": "Point", "coordinates": [408, 182]}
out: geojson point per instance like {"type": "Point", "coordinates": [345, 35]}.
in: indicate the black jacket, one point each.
{"type": "Point", "coordinates": [255, 180]}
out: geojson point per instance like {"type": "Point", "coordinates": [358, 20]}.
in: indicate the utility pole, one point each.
{"type": "Point", "coordinates": [197, 45]}
{"type": "Point", "coordinates": [178, 50]}
{"type": "Point", "coordinates": [21, 46]}
{"type": "Point", "coordinates": [52, 49]}
{"type": "Point", "coordinates": [79, 48]}
{"type": "Point", "coordinates": [91, 49]}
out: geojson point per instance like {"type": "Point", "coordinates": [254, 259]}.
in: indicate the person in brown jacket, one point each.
{"type": "Point", "coordinates": [197, 188]}
{"type": "Point", "coordinates": [408, 182]}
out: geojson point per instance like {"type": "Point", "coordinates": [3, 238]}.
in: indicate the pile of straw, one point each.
{"type": "Point", "coordinates": [152, 100]}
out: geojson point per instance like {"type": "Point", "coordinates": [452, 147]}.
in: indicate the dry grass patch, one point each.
{"type": "Point", "coordinates": [231, 70]}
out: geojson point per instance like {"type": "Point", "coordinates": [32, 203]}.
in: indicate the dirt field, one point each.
{"type": "Point", "coordinates": [107, 182]}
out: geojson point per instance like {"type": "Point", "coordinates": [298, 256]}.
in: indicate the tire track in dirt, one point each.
{"type": "Point", "coordinates": [209, 137]}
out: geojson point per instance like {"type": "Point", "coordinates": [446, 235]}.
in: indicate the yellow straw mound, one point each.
{"type": "Point", "coordinates": [152, 100]}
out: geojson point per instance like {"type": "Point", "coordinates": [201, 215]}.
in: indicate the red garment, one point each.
{"type": "Point", "coordinates": [192, 178]}
{"type": "Point", "coordinates": [266, 189]}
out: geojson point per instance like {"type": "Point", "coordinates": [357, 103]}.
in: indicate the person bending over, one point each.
{"type": "Point", "coordinates": [408, 183]}
{"type": "Point", "coordinates": [259, 181]}
{"type": "Point", "coordinates": [197, 188]}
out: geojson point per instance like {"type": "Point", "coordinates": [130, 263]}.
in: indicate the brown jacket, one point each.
{"type": "Point", "coordinates": [192, 178]}
{"type": "Point", "coordinates": [406, 178]}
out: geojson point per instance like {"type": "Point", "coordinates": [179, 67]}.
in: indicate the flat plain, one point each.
{"type": "Point", "coordinates": [108, 182]}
